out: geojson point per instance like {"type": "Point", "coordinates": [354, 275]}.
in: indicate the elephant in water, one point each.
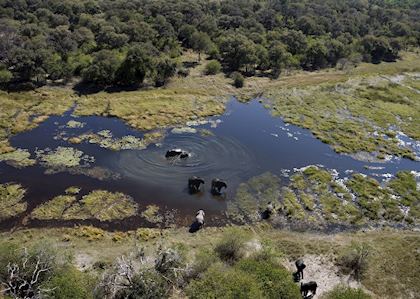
{"type": "Point", "coordinates": [194, 184]}
{"type": "Point", "coordinates": [217, 185]}
{"type": "Point", "coordinates": [177, 152]}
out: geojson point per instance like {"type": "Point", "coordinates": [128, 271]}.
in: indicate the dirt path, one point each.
{"type": "Point", "coordinates": [322, 270]}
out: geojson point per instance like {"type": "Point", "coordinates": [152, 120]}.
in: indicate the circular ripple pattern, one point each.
{"type": "Point", "coordinates": [209, 157]}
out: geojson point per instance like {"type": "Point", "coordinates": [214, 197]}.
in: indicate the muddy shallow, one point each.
{"type": "Point", "coordinates": [244, 142]}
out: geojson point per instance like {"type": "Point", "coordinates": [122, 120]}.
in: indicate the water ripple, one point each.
{"type": "Point", "coordinates": [212, 156]}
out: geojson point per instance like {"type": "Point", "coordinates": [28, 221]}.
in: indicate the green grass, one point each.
{"type": "Point", "coordinates": [98, 204]}
{"type": "Point", "coordinates": [253, 196]}
{"type": "Point", "coordinates": [11, 200]}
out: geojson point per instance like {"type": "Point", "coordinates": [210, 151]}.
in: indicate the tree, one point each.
{"type": "Point", "coordinates": [200, 42]}
{"type": "Point", "coordinates": [238, 51]}
{"type": "Point", "coordinates": [165, 69]}
{"type": "Point", "coordinates": [213, 67]}
{"type": "Point", "coordinates": [61, 39]}
{"type": "Point", "coordinates": [376, 49]}
{"type": "Point", "coordinates": [5, 75]}
{"type": "Point", "coordinates": [23, 271]}
{"type": "Point", "coordinates": [316, 55]}
{"type": "Point", "coordinates": [103, 68]}
{"type": "Point", "coordinates": [134, 68]}
{"type": "Point", "coordinates": [279, 58]}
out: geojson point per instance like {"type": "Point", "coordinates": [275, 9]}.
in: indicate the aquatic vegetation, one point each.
{"type": "Point", "coordinates": [253, 196]}
{"type": "Point", "coordinates": [96, 172]}
{"type": "Point", "coordinates": [53, 209]}
{"type": "Point", "coordinates": [18, 158]}
{"type": "Point", "coordinates": [291, 206]}
{"type": "Point", "coordinates": [98, 204]}
{"type": "Point", "coordinates": [150, 109]}
{"type": "Point", "coordinates": [23, 111]}
{"type": "Point", "coordinates": [354, 116]}
{"type": "Point", "coordinates": [73, 124]}
{"type": "Point", "coordinates": [63, 157]}
{"type": "Point", "coordinates": [314, 194]}
{"type": "Point", "coordinates": [11, 200]}
{"type": "Point", "coordinates": [72, 190]}
{"type": "Point", "coordinates": [151, 214]}
{"type": "Point", "coordinates": [106, 140]}
{"type": "Point", "coordinates": [183, 130]}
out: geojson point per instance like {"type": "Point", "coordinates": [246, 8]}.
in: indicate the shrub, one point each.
{"type": "Point", "coordinates": [145, 285]}
{"type": "Point", "coordinates": [355, 260]}
{"type": "Point", "coordinates": [221, 282]}
{"type": "Point", "coordinates": [238, 80]}
{"type": "Point", "coordinates": [203, 261]}
{"type": "Point", "coordinates": [275, 281]}
{"type": "Point", "coordinates": [70, 283]}
{"type": "Point", "coordinates": [213, 67]}
{"type": "Point", "coordinates": [230, 248]}
{"type": "Point", "coordinates": [344, 292]}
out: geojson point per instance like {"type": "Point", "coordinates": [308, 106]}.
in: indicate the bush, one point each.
{"type": "Point", "coordinates": [355, 260]}
{"type": "Point", "coordinates": [221, 282]}
{"type": "Point", "coordinates": [238, 80]}
{"type": "Point", "coordinates": [230, 247]}
{"type": "Point", "coordinates": [275, 281]}
{"type": "Point", "coordinates": [203, 261]}
{"type": "Point", "coordinates": [145, 285]}
{"type": "Point", "coordinates": [213, 67]}
{"type": "Point", "coordinates": [344, 292]}
{"type": "Point", "coordinates": [70, 283]}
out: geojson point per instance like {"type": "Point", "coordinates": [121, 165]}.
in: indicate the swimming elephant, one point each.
{"type": "Point", "coordinates": [217, 185]}
{"type": "Point", "coordinates": [194, 184]}
{"type": "Point", "coordinates": [177, 152]}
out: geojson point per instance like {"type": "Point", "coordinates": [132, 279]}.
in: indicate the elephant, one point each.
{"type": "Point", "coordinates": [194, 183]}
{"type": "Point", "coordinates": [300, 265]}
{"type": "Point", "coordinates": [217, 185]}
{"type": "Point", "coordinates": [269, 210]}
{"type": "Point", "coordinates": [177, 152]}
{"type": "Point", "coordinates": [308, 287]}
{"type": "Point", "coordinates": [199, 218]}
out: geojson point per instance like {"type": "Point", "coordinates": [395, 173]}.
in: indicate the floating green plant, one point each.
{"type": "Point", "coordinates": [151, 214]}
{"type": "Point", "coordinates": [18, 158]}
{"type": "Point", "coordinates": [63, 157]}
{"type": "Point", "coordinates": [11, 200]}
{"type": "Point", "coordinates": [98, 204]}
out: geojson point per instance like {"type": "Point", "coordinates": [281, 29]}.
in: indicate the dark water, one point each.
{"type": "Point", "coordinates": [246, 142]}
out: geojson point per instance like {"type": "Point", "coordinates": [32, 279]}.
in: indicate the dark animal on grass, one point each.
{"type": "Point", "coordinates": [194, 184]}
{"type": "Point", "coordinates": [217, 185]}
{"type": "Point", "coordinates": [300, 265]}
{"type": "Point", "coordinates": [269, 210]}
{"type": "Point", "coordinates": [307, 287]}
{"type": "Point", "coordinates": [176, 152]}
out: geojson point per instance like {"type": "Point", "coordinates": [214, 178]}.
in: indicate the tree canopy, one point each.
{"type": "Point", "coordinates": [125, 42]}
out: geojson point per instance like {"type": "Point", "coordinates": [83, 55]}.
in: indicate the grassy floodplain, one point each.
{"type": "Point", "coordinates": [386, 273]}
{"type": "Point", "coordinates": [358, 110]}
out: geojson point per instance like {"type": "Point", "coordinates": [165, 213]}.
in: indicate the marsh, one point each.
{"type": "Point", "coordinates": [245, 142]}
